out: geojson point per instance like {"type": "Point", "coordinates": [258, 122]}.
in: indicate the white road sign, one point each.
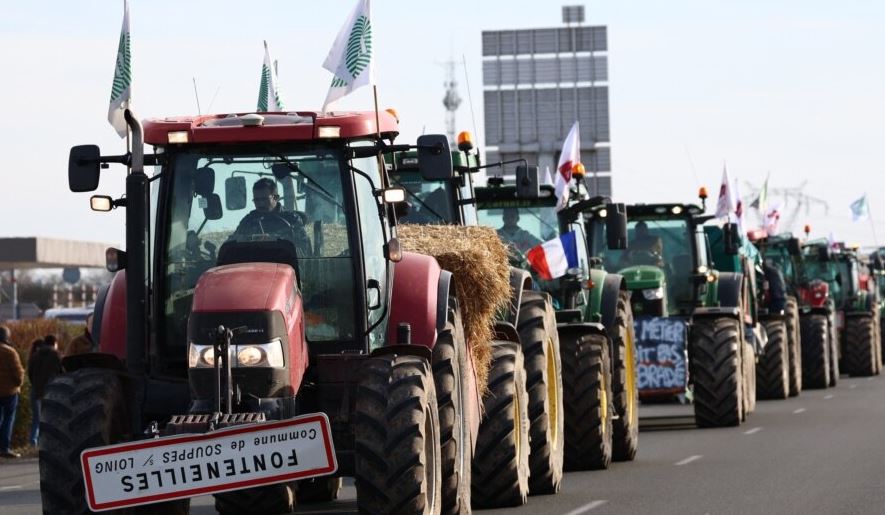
{"type": "Point", "coordinates": [175, 467]}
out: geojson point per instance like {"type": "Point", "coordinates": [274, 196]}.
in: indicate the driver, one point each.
{"type": "Point", "coordinates": [512, 233]}
{"type": "Point", "coordinates": [644, 241]}
{"type": "Point", "coordinates": [269, 215]}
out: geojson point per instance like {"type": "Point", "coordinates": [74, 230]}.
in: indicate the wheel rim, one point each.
{"type": "Point", "coordinates": [631, 377]}
{"type": "Point", "coordinates": [552, 393]}
{"type": "Point", "coordinates": [517, 425]}
{"type": "Point", "coordinates": [430, 438]}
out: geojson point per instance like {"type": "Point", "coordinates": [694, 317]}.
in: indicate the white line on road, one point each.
{"type": "Point", "coordinates": [688, 460]}
{"type": "Point", "coordinates": [798, 411]}
{"type": "Point", "coordinates": [752, 431]}
{"type": "Point", "coordinates": [587, 507]}
{"type": "Point", "coordinates": [828, 397]}
{"type": "Point", "coordinates": [11, 487]}
{"type": "Point", "coordinates": [852, 386]}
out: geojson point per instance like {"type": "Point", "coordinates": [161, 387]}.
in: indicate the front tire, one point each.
{"type": "Point", "coordinates": [716, 367]}
{"type": "Point", "coordinates": [587, 390]}
{"type": "Point", "coordinates": [795, 345]}
{"type": "Point", "coordinates": [815, 351]}
{"type": "Point", "coordinates": [772, 370]}
{"type": "Point", "coordinates": [860, 354]}
{"type": "Point", "coordinates": [625, 392]}
{"type": "Point", "coordinates": [540, 345]}
{"type": "Point", "coordinates": [396, 438]}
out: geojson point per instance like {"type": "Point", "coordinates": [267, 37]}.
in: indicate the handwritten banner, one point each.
{"type": "Point", "coordinates": [661, 344]}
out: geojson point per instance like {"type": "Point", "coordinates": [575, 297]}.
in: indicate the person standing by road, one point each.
{"type": "Point", "coordinates": [12, 375]}
{"type": "Point", "coordinates": [82, 343]}
{"type": "Point", "coordinates": [42, 368]}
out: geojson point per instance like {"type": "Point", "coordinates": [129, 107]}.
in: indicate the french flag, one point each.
{"type": "Point", "coordinates": [553, 258]}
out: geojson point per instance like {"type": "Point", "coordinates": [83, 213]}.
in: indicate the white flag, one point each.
{"type": "Point", "coordinates": [351, 58]}
{"type": "Point", "coordinates": [268, 94]}
{"type": "Point", "coordinates": [860, 209]}
{"type": "Point", "coordinates": [772, 218]}
{"type": "Point", "coordinates": [738, 207]}
{"type": "Point", "coordinates": [725, 203]}
{"type": "Point", "coordinates": [121, 90]}
{"type": "Point", "coordinates": [570, 157]}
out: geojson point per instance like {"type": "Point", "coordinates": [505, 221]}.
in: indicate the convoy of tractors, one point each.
{"type": "Point", "coordinates": [223, 321]}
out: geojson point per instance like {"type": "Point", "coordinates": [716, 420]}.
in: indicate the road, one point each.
{"type": "Point", "coordinates": [819, 453]}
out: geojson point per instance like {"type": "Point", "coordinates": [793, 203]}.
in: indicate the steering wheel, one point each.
{"type": "Point", "coordinates": [271, 222]}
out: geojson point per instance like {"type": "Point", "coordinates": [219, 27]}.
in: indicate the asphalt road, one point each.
{"type": "Point", "coordinates": [819, 453]}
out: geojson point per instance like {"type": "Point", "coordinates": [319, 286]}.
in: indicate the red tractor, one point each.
{"type": "Point", "coordinates": [303, 307]}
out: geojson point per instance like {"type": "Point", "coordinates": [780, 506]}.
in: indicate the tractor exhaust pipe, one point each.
{"type": "Point", "coordinates": [137, 237]}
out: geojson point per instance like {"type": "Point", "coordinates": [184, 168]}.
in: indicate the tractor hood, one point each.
{"type": "Point", "coordinates": [643, 277]}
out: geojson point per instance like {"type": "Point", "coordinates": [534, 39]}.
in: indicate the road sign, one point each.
{"type": "Point", "coordinates": [175, 467]}
{"type": "Point", "coordinates": [71, 275]}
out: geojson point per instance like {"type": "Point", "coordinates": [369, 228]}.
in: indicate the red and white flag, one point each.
{"type": "Point", "coordinates": [725, 203]}
{"type": "Point", "coordinates": [738, 207]}
{"type": "Point", "coordinates": [772, 218]}
{"type": "Point", "coordinates": [570, 157]}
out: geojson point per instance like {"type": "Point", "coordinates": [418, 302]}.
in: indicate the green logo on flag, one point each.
{"type": "Point", "coordinates": [123, 71]}
{"type": "Point", "coordinates": [262, 90]}
{"type": "Point", "coordinates": [359, 47]}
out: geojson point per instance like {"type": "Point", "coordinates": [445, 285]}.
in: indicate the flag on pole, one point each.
{"type": "Point", "coordinates": [831, 241]}
{"type": "Point", "coordinates": [772, 219]}
{"type": "Point", "coordinates": [761, 202]}
{"type": "Point", "coordinates": [725, 203]}
{"type": "Point", "coordinates": [568, 160]}
{"type": "Point", "coordinates": [351, 58]}
{"type": "Point", "coordinates": [738, 206]}
{"type": "Point", "coordinates": [860, 209]}
{"type": "Point", "coordinates": [121, 90]}
{"type": "Point", "coordinates": [553, 258]}
{"type": "Point", "coordinates": [268, 92]}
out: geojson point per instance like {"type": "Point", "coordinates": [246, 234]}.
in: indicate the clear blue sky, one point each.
{"type": "Point", "coordinates": [792, 87]}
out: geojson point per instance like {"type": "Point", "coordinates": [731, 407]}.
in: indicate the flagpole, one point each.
{"type": "Point", "coordinates": [381, 168]}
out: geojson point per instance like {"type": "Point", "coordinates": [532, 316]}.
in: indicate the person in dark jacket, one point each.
{"type": "Point", "coordinates": [42, 368]}
{"type": "Point", "coordinates": [12, 375]}
{"type": "Point", "coordinates": [82, 343]}
{"type": "Point", "coordinates": [270, 217]}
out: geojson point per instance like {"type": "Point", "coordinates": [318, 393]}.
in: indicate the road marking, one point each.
{"type": "Point", "coordinates": [688, 460]}
{"type": "Point", "coordinates": [753, 431]}
{"type": "Point", "coordinates": [828, 397]}
{"type": "Point", "coordinates": [852, 386]}
{"type": "Point", "coordinates": [798, 411]}
{"type": "Point", "coordinates": [11, 487]}
{"type": "Point", "coordinates": [587, 507]}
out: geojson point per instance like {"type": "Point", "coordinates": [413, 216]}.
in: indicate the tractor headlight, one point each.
{"type": "Point", "coordinates": [653, 293]}
{"type": "Point", "coordinates": [266, 355]}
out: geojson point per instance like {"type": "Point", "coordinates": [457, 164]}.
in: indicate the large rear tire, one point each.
{"type": "Point", "coordinates": [773, 368]}
{"type": "Point", "coordinates": [396, 437]}
{"type": "Point", "coordinates": [318, 489]}
{"type": "Point", "coordinates": [625, 392]}
{"type": "Point", "coordinates": [795, 345]}
{"type": "Point", "coordinates": [860, 341]}
{"type": "Point", "coordinates": [586, 391]}
{"type": "Point", "coordinates": [716, 367]}
{"type": "Point", "coordinates": [748, 359]}
{"type": "Point", "coordinates": [815, 351]}
{"type": "Point", "coordinates": [274, 499]}
{"type": "Point", "coordinates": [501, 462]}
{"type": "Point", "coordinates": [450, 375]}
{"type": "Point", "coordinates": [540, 345]}
{"type": "Point", "coordinates": [83, 409]}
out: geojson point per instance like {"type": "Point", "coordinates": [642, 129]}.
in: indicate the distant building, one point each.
{"type": "Point", "coordinates": [536, 83]}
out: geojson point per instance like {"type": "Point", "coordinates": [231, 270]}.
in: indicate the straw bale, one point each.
{"type": "Point", "coordinates": [478, 260]}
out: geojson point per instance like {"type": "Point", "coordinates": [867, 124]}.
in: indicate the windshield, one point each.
{"type": "Point", "coordinates": [520, 227]}
{"type": "Point", "coordinates": [429, 201]}
{"type": "Point", "coordinates": [223, 201]}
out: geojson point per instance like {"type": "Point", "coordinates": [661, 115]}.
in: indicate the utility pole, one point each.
{"type": "Point", "coordinates": [451, 100]}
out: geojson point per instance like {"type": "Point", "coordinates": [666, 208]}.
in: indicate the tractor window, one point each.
{"type": "Point", "coordinates": [218, 199]}
{"type": "Point", "coordinates": [522, 227]}
{"type": "Point", "coordinates": [430, 202]}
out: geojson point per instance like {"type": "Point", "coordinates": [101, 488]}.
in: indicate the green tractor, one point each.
{"type": "Point", "coordinates": [782, 255]}
{"type": "Point", "coordinates": [819, 317]}
{"type": "Point", "coordinates": [529, 322]}
{"type": "Point", "coordinates": [877, 269]}
{"type": "Point", "coordinates": [691, 335]}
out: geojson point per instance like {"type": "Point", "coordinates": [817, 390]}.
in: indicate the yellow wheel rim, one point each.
{"type": "Point", "coordinates": [552, 392]}
{"type": "Point", "coordinates": [630, 364]}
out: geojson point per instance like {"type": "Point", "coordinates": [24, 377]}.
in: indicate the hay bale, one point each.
{"type": "Point", "coordinates": [478, 260]}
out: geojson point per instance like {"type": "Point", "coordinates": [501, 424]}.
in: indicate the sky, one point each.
{"type": "Point", "coordinates": [791, 89]}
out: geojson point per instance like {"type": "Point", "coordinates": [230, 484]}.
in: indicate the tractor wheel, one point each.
{"type": "Point", "coordinates": [794, 345]}
{"type": "Point", "coordinates": [543, 367]}
{"type": "Point", "coordinates": [882, 344]}
{"type": "Point", "coordinates": [586, 385]}
{"type": "Point", "coordinates": [815, 351]}
{"type": "Point", "coordinates": [397, 461]}
{"type": "Point", "coordinates": [860, 354]}
{"type": "Point", "coordinates": [276, 499]}
{"type": "Point", "coordinates": [451, 375]}
{"type": "Point", "coordinates": [625, 392]}
{"type": "Point", "coordinates": [749, 363]}
{"type": "Point", "coordinates": [80, 410]}
{"type": "Point", "coordinates": [318, 489]}
{"type": "Point", "coordinates": [501, 462]}
{"type": "Point", "coordinates": [836, 357]}
{"type": "Point", "coordinates": [773, 368]}
{"type": "Point", "coordinates": [716, 367]}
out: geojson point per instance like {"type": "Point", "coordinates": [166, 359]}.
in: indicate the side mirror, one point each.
{"type": "Point", "coordinates": [732, 238]}
{"type": "Point", "coordinates": [434, 157]}
{"type": "Point", "coordinates": [793, 247]}
{"type": "Point", "coordinates": [616, 226]}
{"type": "Point", "coordinates": [213, 211]}
{"type": "Point", "coordinates": [235, 193]}
{"type": "Point", "coordinates": [204, 181]}
{"type": "Point", "coordinates": [83, 168]}
{"type": "Point", "coordinates": [101, 203]}
{"type": "Point", "coordinates": [527, 185]}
